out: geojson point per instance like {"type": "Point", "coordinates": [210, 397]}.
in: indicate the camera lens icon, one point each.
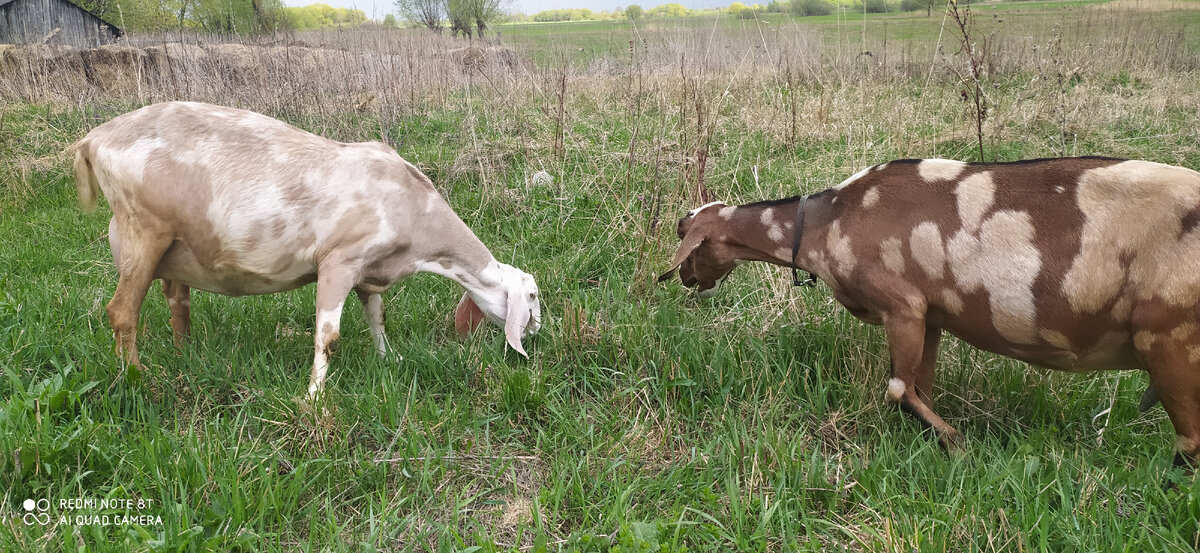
{"type": "Point", "coordinates": [36, 511]}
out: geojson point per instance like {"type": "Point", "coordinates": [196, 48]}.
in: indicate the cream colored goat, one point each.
{"type": "Point", "coordinates": [237, 203]}
{"type": "Point", "coordinates": [1076, 264]}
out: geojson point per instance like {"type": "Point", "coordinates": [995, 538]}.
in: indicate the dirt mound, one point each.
{"type": "Point", "coordinates": [475, 57]}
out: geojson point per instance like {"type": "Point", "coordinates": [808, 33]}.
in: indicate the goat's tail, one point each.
{"type": "Point", "coordinates": [86, 186]}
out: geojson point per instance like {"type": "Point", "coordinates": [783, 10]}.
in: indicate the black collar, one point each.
{"type": "Point", "coordinates": [798, 229]}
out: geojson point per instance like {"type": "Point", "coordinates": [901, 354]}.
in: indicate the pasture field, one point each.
{"type": "Point", "coordinates": [909, 33]}
{"type": "Point", "coordinates": [645, 419]}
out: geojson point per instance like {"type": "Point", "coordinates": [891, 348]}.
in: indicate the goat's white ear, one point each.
{"type": "Point", "coordinates": [517, 318]}
{"type": "Point", "coordinates": [686, 247]}
{"type": "Point", "coordinates": [467, 316]}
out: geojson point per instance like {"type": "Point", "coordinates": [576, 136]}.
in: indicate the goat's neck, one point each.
{"type": "Point", "coordinates": [453, 251]}
{"type": "Point", "coordinates": [765, 231]}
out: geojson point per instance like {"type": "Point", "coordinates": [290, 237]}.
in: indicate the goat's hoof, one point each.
{"type": "Point", "coordinates": [307, 404]}
{"type": "Point", "coordinates": [953, 442]}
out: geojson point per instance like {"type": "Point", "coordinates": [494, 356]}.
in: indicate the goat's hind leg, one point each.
{"type": "Point", "coordinates": [136, 257]}
{"type": "Point", "coordinates": [1176, 379]}
{"type": "Point", "coordinates": [914, 352]}
{"type": "Point", "coordinates": [373, 311]}
{"type": "Point", "coordinates": [179, 299]}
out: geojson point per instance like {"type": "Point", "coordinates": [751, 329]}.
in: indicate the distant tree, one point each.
{"type": "Point", "coordinates": [460, 17]}
{"type": "Point", "coordinates": [389, 20]}
{"type": "Point", "coordinates": [321, 15]}
{"type": "Point", "coordinates": [810, 7]}
{"type": "Point", "coordinates": [423, 12]}
{"type": "Point", "coordinates": [742, 11]}
{"type": "Point", "coordinates": [776, 7]}
{"type": "Point", "coordinates": [634, 11]}
{"type": "Point", "coordinates": [482, 13]}
{"type": "Point", "coordinates": [673, 9]}
{"type": "Point", "coordinates": [875, 6]}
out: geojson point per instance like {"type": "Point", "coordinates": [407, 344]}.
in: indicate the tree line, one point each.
{"type": "Point", "coordinates": [464, 17]}
{"type": "Point", "coordinates": [244, 17]}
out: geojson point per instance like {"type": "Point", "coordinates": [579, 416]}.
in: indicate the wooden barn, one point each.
{"type": "Point", "coordinates": [30, 21]}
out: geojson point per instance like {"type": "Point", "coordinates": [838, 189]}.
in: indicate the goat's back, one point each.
{"type": "Point", "coordinates": [1057, 253]}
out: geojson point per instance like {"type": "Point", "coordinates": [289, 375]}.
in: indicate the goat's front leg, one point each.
{"type": "Point", "coordinates": [333, 285]}
{"type": "Point", "coordinates": [373, 310]}
{"type": "Point", "coordinates": [914, 353]}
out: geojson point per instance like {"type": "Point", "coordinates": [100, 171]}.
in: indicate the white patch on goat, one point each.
{"type": "Point", "coordinates": [767, 217]}
{"type": "Point", "coordinates": [896, 389]}
{"type": "Point", "coordinates": [1184, 444]}
{"type": "Point", "coordinates": [693, 212]}
{"type": "Point", "coordinates": [838, 246]}
{"type": "Point", "coordinates": [882, 166]}
{"type": "Point", "coordinates": [1059, 189]}
{"type": "Point", "coordinates": [1144, 232]}
{"type": "Point", "coordinates": [783, 253]}
{"type": "Point", "coordinates": [326, 333]}
{"type": "Point", "coordinates": [726, 212]}
{"type": "Point", "coordinates": [871, 197]}
{"type": "Point", "coordinates": [775, 233]}
{"type": "Point", "coordinates": [124, 165]}
{"type": "Point", "coordinates": [712, 291]}
{"type": "Point", "coordinates": [1122, 308]}
{"type": "Point", "coordinates": [952, 302]}
{"type": "Point", "coordinates": [927, 249]}
{"type": "Point", "coordinates": [852, 178]}
{"type": "Point", "coordinates": [940, 169]}
{"type": "Point", "coordinates": [893, 257]}
{"type": "Point", "coordinates": [1055, 338]}
{"type": "Point", "coordinates": [976, 194]}
{"type": "Point", "coordinates": [1002, 260]}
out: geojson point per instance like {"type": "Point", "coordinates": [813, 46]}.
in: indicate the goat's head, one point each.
{"type": "Point", "coordinates": [704, 259]}
{"type": "Point", "coordinates": [514, 306]}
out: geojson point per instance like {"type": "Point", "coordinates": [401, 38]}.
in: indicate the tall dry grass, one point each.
{"type": "Point", "coordinates": [1051, 83]}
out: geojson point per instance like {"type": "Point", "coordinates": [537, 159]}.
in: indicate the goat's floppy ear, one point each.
{"type": "Point", "coordinates": [689, 244]}
{"type": "Point", "coordinates": [467, 316]}
{"type": "Point", "coordinates": [517, 318]}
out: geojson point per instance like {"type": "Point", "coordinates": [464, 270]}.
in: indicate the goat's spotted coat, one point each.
{"type": "Point", "coordinates": [1076, 264]}
{"type": "Point", "coordinates": [237, 203]}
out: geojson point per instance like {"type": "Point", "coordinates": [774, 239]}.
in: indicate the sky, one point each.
{"type": "Point", "coordinates": [376, 9]}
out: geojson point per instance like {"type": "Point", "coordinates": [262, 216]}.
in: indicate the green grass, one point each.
{"type": "Point", "coordinates": [754, 421]}
{"type": "Point", "coordinates": [581, 42]}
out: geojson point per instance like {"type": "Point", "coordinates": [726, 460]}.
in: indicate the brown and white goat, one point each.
{"type": "Point", "coordinates": [237, 203]}
{"type": "Point", "coordinates": [1076, 264]}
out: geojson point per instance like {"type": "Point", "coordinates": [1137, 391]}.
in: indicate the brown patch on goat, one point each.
{"type": "Point", "coordinates": [1189, 222]}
